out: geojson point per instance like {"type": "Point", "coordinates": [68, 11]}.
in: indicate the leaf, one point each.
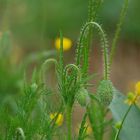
{"type": "Point", "coordinates": [131, 126]}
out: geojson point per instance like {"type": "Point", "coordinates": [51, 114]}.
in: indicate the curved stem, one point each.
{"type": "Point", "coordinates": [124, 118]}
{"type": "Point", "coordinates": [93, 8]}
{"type": "Point", "coordinates": [69, 66]}
{"type": "Point", "coordinates": [105, 50]}
{"type": "Point", "coordinates": [69, 122]}
{"type": "Point", "coordinates": [43, 68]}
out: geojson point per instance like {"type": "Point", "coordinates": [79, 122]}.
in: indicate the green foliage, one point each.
{"type": "Point", "coordinates": [9, 75]}
{"type": "Point", "coordinates": [96, 116]}
{"type": "Point", "coordinates": [83, 128]}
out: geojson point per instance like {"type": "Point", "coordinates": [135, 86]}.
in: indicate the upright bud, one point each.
{"type": "Point", "coordinates": [105, 92]}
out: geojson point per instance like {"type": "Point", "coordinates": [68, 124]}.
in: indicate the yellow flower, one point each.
{"type": "Point", "coordinates": [89, 129]}
{"type": "Point", "coordinates": [137, 88]}
{"type": "Point", "coordinates": [59, 119]}
{"type": "Point", "coordinates": [67, 44]}
{"type": "Point", "coordinates": [131, 98]}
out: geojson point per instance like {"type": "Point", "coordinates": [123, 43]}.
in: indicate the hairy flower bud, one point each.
{"type": "Point", "coordinates": [83, 97]}
{"type": "Point", "coordinates": [105, 92]}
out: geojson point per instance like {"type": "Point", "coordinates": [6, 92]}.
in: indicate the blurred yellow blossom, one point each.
{"type": "Point", "coordinates": [88, 128]}
{"type": "Point", "coordinates": [67, 44]}
{"type": "Point", "coordinates": [59, 119]}
{"type": "Point", "coordinates": [133, 97]}
{"type": "Point", "coordinates": [137, 88]}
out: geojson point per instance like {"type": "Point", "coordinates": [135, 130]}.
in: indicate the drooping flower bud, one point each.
{"type": "Point", "coordinates": [83, 97]}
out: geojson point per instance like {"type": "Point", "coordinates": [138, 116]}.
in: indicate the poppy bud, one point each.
{"type": "Point", "coordinates": [105, 92]}
{"type": "Point", "coordinates": [83, 97]}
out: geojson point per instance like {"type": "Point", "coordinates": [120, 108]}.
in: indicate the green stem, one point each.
{"type": "Point", "coordinates": [87, 40]}
{"type": "Point", "coordinates": [104, 47]}
{"type": "Point", "coordinates": [124, 118]}
{"type": "Point", "coordinates": [44, 67]}
{"type": "Point", "coordinates": [118, 30]}
{"type": "Point", "coordinates": [69, 122]}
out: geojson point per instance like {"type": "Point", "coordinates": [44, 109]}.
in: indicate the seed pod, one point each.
{"type": "Point", "coordinates": [105, 92]}
{"type": "Point", "coordinates": [83, 97]}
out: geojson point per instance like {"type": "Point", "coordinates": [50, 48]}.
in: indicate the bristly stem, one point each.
{"type": "Point", "coordinates": [104, 46]}
{"type": "Point", "coordinates": [124, 118]}
{"type": "Point", "coordinates": [118, 30]}
{"type": "Point", "coordinates": [93, 7]}
{"type": "Point", "coordinates": [43, 68]}
{"type": "Point", "coordinates": [61, 59]}
{"type": "Point", "coordinates": [69, 122]}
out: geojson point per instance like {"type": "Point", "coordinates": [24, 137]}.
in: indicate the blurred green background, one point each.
{"type": "Point", "coordinates": [33, 23]}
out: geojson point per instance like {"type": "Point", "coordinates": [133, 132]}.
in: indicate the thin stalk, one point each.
{"type": "Point", "coordinates": [69, 122]}
{"type": "Point", "coordinates": [5, 17]}
{"type": "Point", "coordinates": [118, 30]}
{"type": "Point", "coordinates": [44, 67]}
{"type": "Point", "coordinates": [124, 118]}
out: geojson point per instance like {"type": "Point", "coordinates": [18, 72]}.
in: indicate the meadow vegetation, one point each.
{"type": "Point", "coordinates": [35, 111]}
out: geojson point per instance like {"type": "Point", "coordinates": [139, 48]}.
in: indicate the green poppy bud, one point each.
{"type": "Point", "coordinates": [105, 92]}
{"type": "Point", "coordinates": [83, 97]}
